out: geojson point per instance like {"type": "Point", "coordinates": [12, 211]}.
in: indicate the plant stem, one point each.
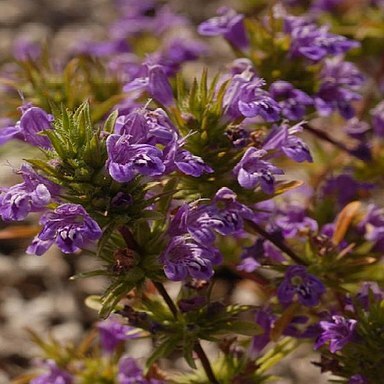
{"type": "Point", "coordinates": [279, 244]}
{"type": "Point", "coordinates": [163, 292]}
{"type": "Point", "coordinates": [197, 348]}
{"type": "Point", "coordinates": [205, 362]}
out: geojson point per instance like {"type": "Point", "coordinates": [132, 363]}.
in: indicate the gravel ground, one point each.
{"type": "Point", "coordinates": [35, 291]}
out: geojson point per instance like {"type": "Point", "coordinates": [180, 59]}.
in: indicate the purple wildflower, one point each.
{"type": "Point", "coordinates": [260, 253]}
{"type": "Point", "coordinates": [345, 188]}
{"type": "Point", "coordinates": [126, 160]}
{"type": "Point", "coordinates": [113, 333]}
{"type": "Point", "coordinates": [283, 138]}
{"type": "Point", "coordinates": [339, 82]}
{"type": "Point", "coordinates": [338, 332]}
{"type": "Point", "coordinates": [315, 43]}
{"type": "Point", "coordinates": [32, 195]}
{"type": "Point", "coordinates": [265, 319]}
{"type": "Point", "coordinates": [373, 226]}
{"type": "Point", "coordinates": [292, 101]}
{"type": "Point", "coordinates": [184, 258]}
{"type": "Point", "coordinates": [229, 24]}
{"type": "Point", "coordinates": [32, 123]}
{"type": "Point", "coordinates": [299, 282]}
{"type": "Point", "coordinates": [294, 221]}
{"type": "Point", "coordinates": [25, 49]}
{"type": "Point", "coordinates": [357, 379]}
{"type": "Point", "coordinates": [131, 373]}
{"type": "Point", "coordinates": [69, 225]}
{"type": "Point", "coordinates": [251, 171]}
{"type": "Point", "coordinates": [245, 98]}
{"type": "Point", "coordinates": [357, 128]}
{"type": "Point", "coordinates": [155, 82]}
{"type": "Point", "coordinates": [378, 119]}
{"type": "Point", "coordinates": [55, 375]}
{"type": "Point", "coordinates": [177, 158]}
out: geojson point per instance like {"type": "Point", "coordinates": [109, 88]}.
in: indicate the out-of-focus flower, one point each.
{"type": "Point", "coordinates": [131, 373]}
{"type": "Point", "coordinates": [229, 24]}
{"type": "Point", "coordinates": [338, 332]}
{"type": "Point", "coordinates": [378, 119]}
{"type": "Point", "coordinates": [340, 81]}
{"type": "Point", "coordinates": [55, 375]}
{"type": "Point", "coordinates": [293, 221]}
{"type": "Point", "coordinates": [298, 282]}
{"type": "Point", "coordinates": [357, 379]}
{"type": "Point", "coordinates": [69, 225]}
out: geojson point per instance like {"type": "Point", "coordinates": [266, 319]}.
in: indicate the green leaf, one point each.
{"type": "Point", "coordinates": [109, 124]}
{"type": "Point", "coordinates": [163, 350]}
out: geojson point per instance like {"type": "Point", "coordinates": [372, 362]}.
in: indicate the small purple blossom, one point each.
{"type": "Point", "coordinates": [298, 282]}
{"type": "Point", "coordinates": [283, 138]}
{"type": "Point", "coordinates": [377, 114]}
{"type": "Point", "coordinates": [33, 195]}
{"type": "Point", "coordinates": [32, 123]}
{"type": "Point", "coordinates": [69, 225]}
{"type": "Point", "coordinates": [293, 221]}
{"type": "Point", "coordinates": [292, 101]}
{"type": "Point", "coordinates": [252, 171]}
{"type": "Point", "coordinates": [245, 98]}
{"type": "Point", "coordinates": [357, 379]}
{"type": "Point", "coordinates": [313, 42]}
{"type": "Point", "coordinates": [339, 83]}
{"type": "Point", "coordinates": [339, 332]}
{"type": "Point", "coordinates": [229, 24]}
{"type": "Point", "coordinates": [184, 258]}
{"type": "Point", "coordinates": [131, 373]}
{"type": "Point", "coordinates": [55, 375]}
{"type": "Point", "coordinates": [155, 82]}
{"type": "Point", "coordinates": [112, 333]}
{"type": "Point", "coordinates": [126, 160]}
{"type": "Point", "coordinates": [265, 319]}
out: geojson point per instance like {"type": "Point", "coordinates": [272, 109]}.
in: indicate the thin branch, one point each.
{"type": "Point", "coordinates": [197, 348]}
{"type": "Point", "coordinates": [279, 244]}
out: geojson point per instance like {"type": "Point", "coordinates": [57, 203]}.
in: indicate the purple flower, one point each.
{"type": "Point", "coordinates": [155, 82]}
{"type": "Point", "coordinates": [298, 282]}
{"type": "Point", "coordinates": [54, 376]}
{"type": "Point", "coordinates": [131, 373]}
{"type": "Point", "coordinates": [357, 379]}
{"type": "Point", "coordinates": [326, 5]}
{"type": "Point", "coordinates": [282, 138]}
{"type": "Point", "coordinates": [339, 82]}
{"type": "Point", "coordinates": [261, 252]}
{"type": "Point", "coordinates": [251, 171]}
{"type": "Point", "coordinates": [126, 160]}
{"type": "Point", "coordinates": [345, 188]}
{"type": "Point", "coordinates": [177, 158]}
{"type": "Point", "coordinates": [229, 24]}
{"type": "Point", "coordinates": [69, 225]}
{"type": "Point", "coordinates": [315, 42]}
{"type": "Point", "coordinates": [378, 119]}
{"type": "Point", "coordinates": [32, 123]}
{"type": "Point", "coordinates": [112, 333]}
{"type": "Point", "coordinates": [265, 319]}
{"type": "Point", "coordinates": [245, 98]}
{"type": "Point", "coordinates": [338, 332]}
{"type": "Point", "coordinates": [293, 221]}
{"type": "Point", "coordinates": [372, 225]}
{"type": "Point", "coordinates": [25, 49]}
{"type": "Point", "coordinates": [357, 128]}
{"type": "Point", "coordinates": [184, 258]}
{"type": "Point", "coordinates": [32, 195]}
{"type": "Point", "coordinates": [292, 101]}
